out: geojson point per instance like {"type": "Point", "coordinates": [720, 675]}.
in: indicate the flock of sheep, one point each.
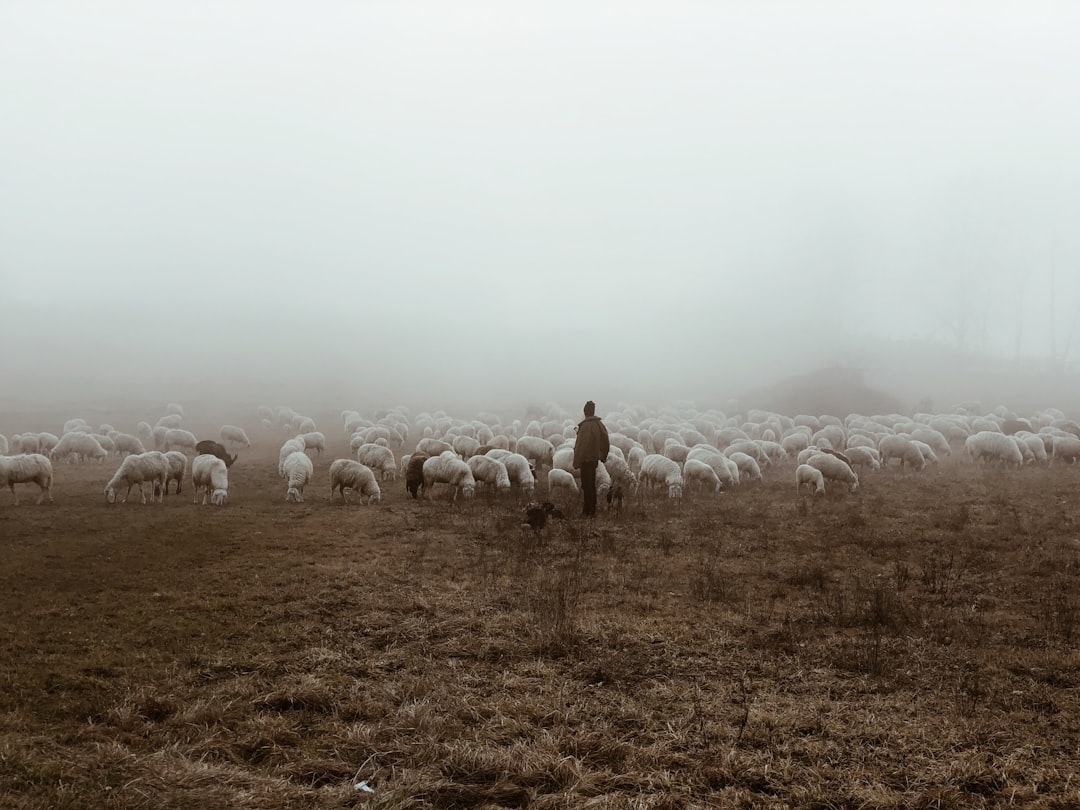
{"type": "Point", "coordinates": [672, 450]}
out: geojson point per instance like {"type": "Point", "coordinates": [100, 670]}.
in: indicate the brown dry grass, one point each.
{"type": "Point", "coordinates": [912, 646]}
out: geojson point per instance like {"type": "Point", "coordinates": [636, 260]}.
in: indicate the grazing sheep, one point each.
{"type": "Point", "coordinates": [27, 468]}
{"type": "Point", "coordinates": [46, 442]}
{"type": "Point", "coordinates": [1067, 449]}
{"type": "Point", "coordinates": [490, 471]}
{"type": "Point", "coordinates": [380, 459]}
{"type": "Point", "coordinates": [902, 448]}
{"type": "Point", "coordinates": [991, 447]}
{"type": "Point", "coordinates": [520, 471]}
{"type": "Point", "coordinates": [675, 451]}
{"type": "Point", "coordinates": [135, 470]}
{"type": "Point", "coordinates": [934, 438]}
{"type": "Point", "coordinates": [157, 436]}
{"type": "Point", "coordinates": [210, 475]}
{"type": "Point", "coordinates": [561, 480]}
{"type": "Point", "coordinates": [145, 433]}
{"type": "Point", "coordinates": [540, 451]}
{"type": "Point", "coordinates": [169, 422]}
{"type": "Point", "coordinates": [620, 471]}
{"type": "Point", "coordinates": [107, 444]}
{"type": "Point", "coordinates": [127, 444]}
{"type": "Point", "coordinates": [1034, 444]}
{"type": "Point", "coordinates": [314, 440]}
{"type": "Point", "coordinates": [697, 472]}
{"type": "Point", "coordinates": [78, 447]}
{"type": "Point", "coordinates": [180, 439]}
{"type": "Point", "coordinates": [657, 470]}
{"type": "Point", "coordinates": [447, 468]}
{"type": "Point", "coordinates": [234, 435]}
{"type": "Point", "coordinates": [810, 476]}
{"type": "Point", "coordinates": [287, 449]}
{"type": "Point", "coordinates": [433, 447]}
{"type": "Point", "coordinates": [212, 448]}
{"type": "Point", "coordinates": [414, 474]}
{"type": "Point", "coordinates": [863, 457]}
{"type": "Point", "coordinates": [76, 425]}
{"type": "Point", "coordinates": [835, 470]}
{"type": "Point", "coordinates": [348, 474]}
{"type": "Point", "coordinates": [298, 470]}
{"type": "Point", "coordinates": [465, 446]}
{"type": "Point", "coordinates": [748, 467]}
{"type": "Point", "coordinates": [175, 409]}
{"type": "Point", "coordinates": [177, 468]}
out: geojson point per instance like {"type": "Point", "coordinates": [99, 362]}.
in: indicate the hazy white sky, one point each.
{"type": "Point", "coordinates": [654, 189]}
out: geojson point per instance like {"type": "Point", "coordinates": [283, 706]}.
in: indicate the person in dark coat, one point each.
{"type": "Point", "coordinates": [591, 448]}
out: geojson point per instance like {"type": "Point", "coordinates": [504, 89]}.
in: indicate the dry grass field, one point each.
{"type": "Point", "coordinates": [914, 645]}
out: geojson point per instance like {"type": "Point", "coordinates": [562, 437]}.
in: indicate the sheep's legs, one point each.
{"type": "Point", "coordinates": [11, 486]}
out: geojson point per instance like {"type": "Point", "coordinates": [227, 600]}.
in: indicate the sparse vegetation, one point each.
{"type": "Point", "coordinates": [896, 648]}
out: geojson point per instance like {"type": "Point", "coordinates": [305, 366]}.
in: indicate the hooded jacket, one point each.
{"type": "Point", "coordinates": [592, 441]}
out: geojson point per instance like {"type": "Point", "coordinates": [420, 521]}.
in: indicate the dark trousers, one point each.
{"type": "Point", "coordinates": [588, 486]}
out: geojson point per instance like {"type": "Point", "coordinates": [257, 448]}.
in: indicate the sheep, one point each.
{"type": "Point", "coordinates": [157, 436]}
{"type": "Point", "coordinates": [177, 468]}
{"type": "Point", "coordinates": [563, 459]}
{"type": "Point", "coordinates": [46, 442]}
{"type": "Point", "coordinates": [698, 472]}
{"type": "Point", "coordinates": [490, 471]}
{"type": "Point", "coordinates": [414, 474]}
{"type": "Point", "coordinates": [447, 468]}
{"type": "Point", "coordinates": [174, 409]}
{"type": "Point", "coordinates": [287, 449]}
{"type": "Point", "coordinates": [660, 470]}
{"type": "Point", "coordinates": [433, 447]}
{"type": "Point", "coordinates": [135, 470]}
{"type": "Point", "coordinates": [902, 448]}
{"type": "Point", "coordinates": [76, 425]}
{"type": "Point", "coordinates": [127, 444]}
{"type": "Point", "coordinates": [520, 471]}
{"type": "Point", "coordinates": [1034, 444]}
{"type": "Point", "coordinates": [465, 446]}
{"type": "Point", "coordinates": [27, 468]}
{"type": "Point", "coordinates": [78, 446]}
{"type": "Point", "coordinates": [210, 475]}
{"type": "Point", "coordinates": [145, 433]}
{"type": "Point", "coordinates": [990, 447]}
{"type": "Point", "coordinates": [314, 440]}
{"type": "Point", "coordinates": [540, 451]}
{"type": "Point", "coordinates": [863, 457]}
{"type": "Point", "coordinates": [1066, 448]}
{"type": "Point", "coordinates": [380, 459]}
{"type": "Point", "coordinates": [180, 439]}
{"type": "Point", "coordinates": [25, 443]}
{"type": "Point", "coordinates": [212, 448]}
{"type": "Point", "coordinates": [927, 451]}
{"type": "Point", "coordinates": [748, 467]}
{"type": "Point", "coordinates": [561, 480]}
{"type": "Point", "coordinates": [107, 444]}
{"type": "Point", "coordinates": [934, 438]}
{"type": "Point", "coordinates": [169, 422]}
{"type": "Point", "coordinates": [835, 470]}
{"type": "Point", "coordinates": [298, 470]}
{"type": "Point", "coordinates": [810, 476]}
{"type": "Point", "coordinates": [234, 435]}
{"type": "Point", "coordinates": [348, 474]}
{"type": "Point", "coordinates": [620, 471]}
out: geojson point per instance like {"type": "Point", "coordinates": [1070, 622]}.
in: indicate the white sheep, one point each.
{"type": "Point", "coordinates": [447, 468]}
{"type": "Point", "coordinates": [561, 480]}
{"type": "Point", "coordinates": [348, 474]}
{"type": "Point", "coordinates": [748, 467]}
{"type": "Point", "coordinates": [1067, 449]}
{"type": "Point", "coordinates": [620, 471]}
{"type": "Point", "coordinates": [863, 457]}
{"type": "Point", "coordinates": [539, 451]}
{"type": "Point", "coordinates": [490, 471]}
{"type": "Point", "coordinates": [380, 459]}
{"type": "Point", "coordinates": [46, 442]}
{"type": "Point", "coordinates": [145, 433]}
{"type": "Point", "coordinates": [465, 446]}
{"type": "Point", "coordinates": [76, 425]}
{"type": "Point", "coordinates": [658, 470]}
{"type": "Point", "coordinates": [180, 439]}
{"type": "Point", "coordinates": [902, 448]}
{"type": "Point", "coordinates": [135, 470]}
{"type": "Point", "coordinates": [314, 440]}
{"type": "Point", "coordinates": [27, 468]}
{"type": "Point", "coordinates": [810, 476]}
{"type": "Point", "coordinates": [210, 476]}
{"type": "Point", "coordinates": [519, 469]}
{"type": "Point", "coordinates": [107, 444]}
{"type": "Point", "coordinates": [231, 434]}
{"type": "Point", "coordinates": [169, 421]}
{"type": "Point", "coordinates": [174, 408]}
{"type": "Point", "coordinates": [177, 468]}
{"type": "Point", "coordinates": [78, 447]}
{"type": "Point", "coordinates": [433, 447]}
{"type": "Point", "coordinates": [287, 449]}
{"type": "Point", "coordinates": [835, 469]}
{"type": "Point", "coordinates": [298, 470]}
{"type": "Point", "coordinates": [697, 472]}
{"type": "Point", "coordinates": [127, 444]}
{"type": "Point", "coordinates": [991, 447]}
{"type": "Point", "coordinates": [1034, 444]}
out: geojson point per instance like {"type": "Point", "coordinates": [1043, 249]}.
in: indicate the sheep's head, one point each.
{"type": "Point", "coordinates": [110, 495]}
{"type": "Point", "coordinates": [219, 497]}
